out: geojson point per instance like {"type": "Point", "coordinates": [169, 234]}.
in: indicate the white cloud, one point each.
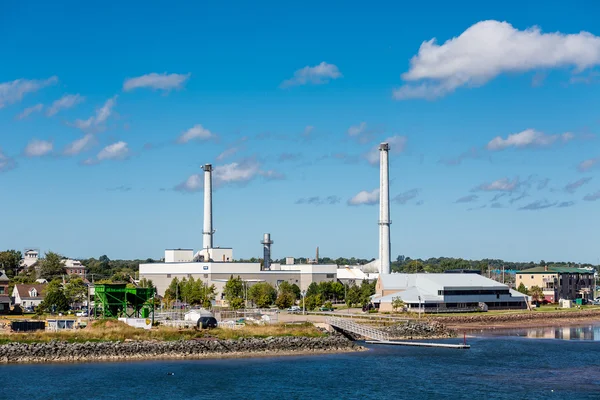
{"type": "Point", "coordinates": [319, 74]}
{"type": "Point", "coordinates": [196, 132]}
{"type": "Point", "coordinates": [102, 114]}
{"type": "Point", "coordinates": [6, 163]}
{"type": "Point", "coordinates": [192, 184]}
{"type": "Point", "coordinates": [501, 185]}
{"type": "Point", "coordinates": [272, 175]}
{"type": "Point", "coordinates": [592, 196]}
{"type": "Point", "coordinates": [588, 164]}
{"type": "Point", "coordinates": [227, 153]}
{"type": "Point", "coordinates": [573, 186]}
{"type": "Point", "coordinates": [162, 81]}
{"type": "Point", "coordinates": [79, 145]}
{"type": "Point", "coordinates": [28, 111]}
{"type": "Point", "coordinates": [232, 173]}
{"type": "Point", "coordinates": [13, 92]}
{"type": "Point", "coordinates": [467, 199]}
{"type": "Point", "coordinates": [64, 103]}
{"type": "Point", "coordinates": [235, 172]}
{"type": "Point", "coordinates": [528, 138]}
{"type": "Point", "coordinates": [397, 146]}
{"type": "Point", "coordinates": [488, 49]}
{"type": "Point", "coordinates": [404, 197]}
{"type": "Point", "coordinates": [308, 130]}
{"type": "Point", "coordinates": [356, 130]}
{"type": "Point", "coordinates": [365, 197]}
{"type": "Point", "coordinates": [38, 148]}
{"type": "Point", "coordinates": [114, 151]}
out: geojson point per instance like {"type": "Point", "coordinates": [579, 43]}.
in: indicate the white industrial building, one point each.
{"type": "Point", "coordinates": [445, 293]}
{"type": "Point", "coordinates": [215, 265]}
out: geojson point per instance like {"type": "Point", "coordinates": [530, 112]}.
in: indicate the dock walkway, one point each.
{"type": "Point", "coordinates": [420, 344]}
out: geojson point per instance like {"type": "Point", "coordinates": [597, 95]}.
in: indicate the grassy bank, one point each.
{"type": "Point", "coordinates": [110, 330]}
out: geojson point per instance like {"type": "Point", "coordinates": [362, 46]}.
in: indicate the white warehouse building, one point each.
{"type": "Point", "coordinates": [445, 292]}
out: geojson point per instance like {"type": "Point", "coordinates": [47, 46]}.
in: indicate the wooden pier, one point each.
{"type": "Point", "coordinates": [420, 344]}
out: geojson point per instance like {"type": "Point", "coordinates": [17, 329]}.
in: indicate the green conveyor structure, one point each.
{"type": "Point", "coordinates": [114, 300]}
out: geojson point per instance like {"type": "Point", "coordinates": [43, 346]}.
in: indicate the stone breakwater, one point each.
{"type": "Point", "coordinates": [419, 330]}
{"type": "Point", "coordinates": [533, 315]}
{"type": "Point", "coordinates": [56, 351]}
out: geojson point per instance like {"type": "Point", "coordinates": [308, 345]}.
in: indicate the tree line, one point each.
{"type": "Point", "coordinates": [441, 264]}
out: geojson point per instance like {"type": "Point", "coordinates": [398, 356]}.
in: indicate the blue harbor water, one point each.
{"type": "Point", "coordinates": [504, 365]}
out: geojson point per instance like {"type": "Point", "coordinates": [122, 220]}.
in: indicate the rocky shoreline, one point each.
{"type": "Point", "coordinates": [419, 330]}
{"type": "Point", "coordinates": [55, 351]}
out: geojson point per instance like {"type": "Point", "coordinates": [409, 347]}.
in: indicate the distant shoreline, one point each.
{"type": "Point", "coordinates": [519, 321]}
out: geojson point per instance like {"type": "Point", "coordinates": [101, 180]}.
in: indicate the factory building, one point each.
{"type": "Point", "coordinates": [215, 265]}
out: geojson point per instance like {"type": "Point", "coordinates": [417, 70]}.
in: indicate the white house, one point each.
{"type": "Point", "coordinates": [30, 257]}
{"type": "Point", "coordinates": [28, 295]}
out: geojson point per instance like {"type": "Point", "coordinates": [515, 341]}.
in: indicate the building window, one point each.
{"type": "Point", "coordinates": [168, 275]}
{"type": "Point", "coordinates": [531, 276]}
{"type": "Point", "coordinates": [206, 275]}
{"type": "Point", "coordinates": [330, 276]}
{"type": "Point", "coordinates": [440, 292]}
{"type": "Point", "coordinates": [1, 289]}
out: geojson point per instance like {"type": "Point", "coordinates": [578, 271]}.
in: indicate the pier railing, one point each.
{"type": "Point", "coordinates": [358, 329]}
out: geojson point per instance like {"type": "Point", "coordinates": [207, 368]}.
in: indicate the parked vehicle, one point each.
{"type": "Point", "coordinates": [294, 309]}
{"type": "Point", "coordinates": [324, 308]}
{"type": "Point", "coordinates": [207, 323]}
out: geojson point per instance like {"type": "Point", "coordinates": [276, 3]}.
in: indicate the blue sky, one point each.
{"type": "Point", "coordinates": [108, 111]}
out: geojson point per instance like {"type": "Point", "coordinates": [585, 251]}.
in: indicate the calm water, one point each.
{"type": "Point", "coordinates": [496, 367]}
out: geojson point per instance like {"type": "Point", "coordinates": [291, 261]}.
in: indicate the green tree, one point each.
{"type": "Point", "coordinates": [536, 293]}
{"type": "Point", "coordinates": [51, 266]}
{"type": "Point", "coordinates": [285, 300]}
{"type": "Point", "coordinates": [75, 291]}
{"type": "Point", "coordinates": [9, 261]}
{"type": "Point", "coordinates": [54, 297]}
{"type": "Point", "coordinates": [146, 283]}
{"type": "Point", "coordinates": [337, 290]}
{"type": "Point", "coordinates": [234, 292]}
{"type": "Point", "coordinates": [313, 289]}
{"type": "Point", "coordinates": [173, 293]}
{"type": "Point", "coordinates": [522, 289]}
{"type": "Point", "coordinates": [414, 266]}
{"type": "Point", "coordinates": [314, 301]}
{"type": "Point", "coordinates": [297, 292]}
{"type": "Point", "coordinates": [262, 294]}
{"type": "Point", "coordinates": [397, 303]}
{"type": "Point", "coordinates": [353, 295]}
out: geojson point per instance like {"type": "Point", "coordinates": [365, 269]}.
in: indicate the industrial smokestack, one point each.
{"type": "Point", "coordinates": [317, 259]}
{"type": "Point", "coordinates": [207, 233]}
{"type": "Point", "coordinates": [267, 242]}
{"type": "Point", "coordinates": [384, 210]}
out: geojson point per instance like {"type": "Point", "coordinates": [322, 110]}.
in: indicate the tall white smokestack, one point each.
{"type": "Point", "coordinates": [207, 233]}
{"type": "Point", "coordinates": [384, 209]}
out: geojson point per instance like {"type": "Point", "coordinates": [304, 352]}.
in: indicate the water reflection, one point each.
{"type": "Point", "coordinates": [585, 332]}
